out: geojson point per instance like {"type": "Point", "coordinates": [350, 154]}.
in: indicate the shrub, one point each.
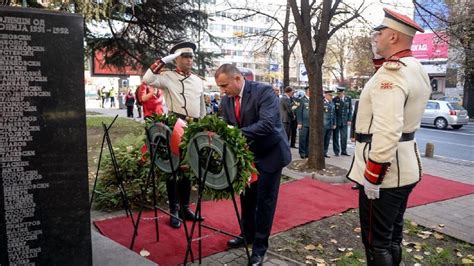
{"type": "Point", "coordinates": [134, 172]}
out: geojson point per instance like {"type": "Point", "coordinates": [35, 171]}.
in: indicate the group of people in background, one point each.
{"type": "Point", "coordinates": [106, 95]}
{"type": "Point", "coordinates": [337, 116]}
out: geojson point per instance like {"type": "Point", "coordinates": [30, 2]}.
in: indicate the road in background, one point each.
{"type": "Point", "coordinates": [450, 143]}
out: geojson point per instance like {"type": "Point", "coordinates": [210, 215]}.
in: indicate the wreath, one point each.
{"type": "Point", "coordinates": [158, 136]}
{"type": "Point", "coordinates": [235, 142]}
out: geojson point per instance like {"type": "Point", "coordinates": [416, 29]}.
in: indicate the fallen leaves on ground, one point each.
{"type": "Point", "coordinates": [310, 247]}
{"type": "Point", "coordinates": [317, 260]}
{"type": "Point", "coordinates": [144, 253]}
{"type": "Point", "coordinates": [334, 241]}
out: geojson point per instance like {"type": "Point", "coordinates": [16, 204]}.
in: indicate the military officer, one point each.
{"type": "Point", "coordinates": [329, 118]}
{"type": "Point", "coordinates": [183, 90]}
{"type": "Point", "coordinates": [184, 96]}
{"type": "Point", "coordinates": [343, 105]}
{"type": "Point", "coordinates": [302, 116]}
{"type": "Point", "coordinates": [390, 110]}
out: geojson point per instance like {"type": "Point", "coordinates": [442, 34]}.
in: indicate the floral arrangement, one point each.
{"type": "Point", "coordinates": [237, 144]}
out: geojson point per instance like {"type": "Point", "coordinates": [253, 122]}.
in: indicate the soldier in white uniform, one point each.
{"type": "Point", "coordinates": [184, 90]}
{"type": "Point", "coordinates": [184, 95]}
{"type": "Point", "coordinates": [386, 161]}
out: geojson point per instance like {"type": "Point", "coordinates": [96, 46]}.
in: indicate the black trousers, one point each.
{"type": "Point", "coordinates": [130, 111]}
{"type": "Point", "coordinates": [293, 127]}
{"type": "Point", "coordinates": [287, 127]}
{"type": "Point", "coordinates": [258, 204]}
{"type": "Point", "coordinates": [178, 193]}
{"type": "Point", "coordinates": [381, 223]}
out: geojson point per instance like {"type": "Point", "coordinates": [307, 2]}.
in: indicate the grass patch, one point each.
{"type": "Point", "coordinates": [121, 122]}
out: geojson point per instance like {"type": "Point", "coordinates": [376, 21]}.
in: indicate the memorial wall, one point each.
{"type": "Point", "coordinates": [44, 211]}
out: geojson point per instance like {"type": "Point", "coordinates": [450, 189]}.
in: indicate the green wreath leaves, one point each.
{"type": "Point", "coordinates": [235, 141]}
{"type": "Point", "coordinates": [169, 120]}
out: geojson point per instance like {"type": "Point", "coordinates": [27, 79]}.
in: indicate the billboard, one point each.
{"type": "Point", "coordinates": [429, 46]}
{"type": "Point", "coordinates": [99, 67]}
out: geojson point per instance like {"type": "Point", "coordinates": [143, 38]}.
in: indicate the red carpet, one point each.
{"type": "Point", "coordinates": [299, 202]}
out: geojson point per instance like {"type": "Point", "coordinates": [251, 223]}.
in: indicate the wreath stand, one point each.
{"type": "Point", "coordinates": [201, 185]}
{"type": "Point", "coordinates": [154, 144]}
{"type": "Point", "coordinates": [118, 176]}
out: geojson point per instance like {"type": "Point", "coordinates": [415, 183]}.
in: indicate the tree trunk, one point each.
{"type": "Point", "coordinates": [286, 48]}
{"type": "Point", "coordinates": [316, 132]}
{"type": "Point", "coordinates": [468, 98]}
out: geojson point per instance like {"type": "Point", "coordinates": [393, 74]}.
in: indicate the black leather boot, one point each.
{"type": "Point", "coordinates": [189, 215]}
{"type": "Point", "coordinates": [174, 221]}
{"type": "Point", "coordinates": [396, 250]}
{"type": "Point", "coordinates": [173, 203]}
{"type": "Point", "coordinates": [378, 257]}
{"type": "Point", "coordinates": [184, 188]}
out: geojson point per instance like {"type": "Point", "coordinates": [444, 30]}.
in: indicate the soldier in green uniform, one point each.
{"type": "Point", "coordinates": [343, 105]}
{"type": "Point", "coordinates": [329, 118]}
{"type": "Point", "coordinates": [302, 116]}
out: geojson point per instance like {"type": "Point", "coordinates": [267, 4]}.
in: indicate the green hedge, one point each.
{"type": "Point", "coordinates": [134, 172]}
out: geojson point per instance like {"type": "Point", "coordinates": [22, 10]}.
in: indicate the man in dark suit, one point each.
{"type": "Point", "coordinates": [253, 108]}
{"type": "Point", "coordinates": [286, 112]}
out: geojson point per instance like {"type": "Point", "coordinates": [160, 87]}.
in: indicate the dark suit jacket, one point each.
{"type": "Point", "coordinates": [260, 123]}
{"type": "Point", "coordinates": [286, 113]}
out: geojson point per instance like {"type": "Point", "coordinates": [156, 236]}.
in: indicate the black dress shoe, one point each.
{"type": "Point", "coordinates": [237, 242]}
{"type": "Point", "coordinates": [174, 221]}
{"type": "Point", "coordinates": [327, 156]}
{"type": "Point", "coordinates": [256, 260]}
{"type": "Point", "coordinates": [345, 154]}
{"type": "Point", "coordinates": [190, 216]}
{"type": "Point", "coordinates": [337, 155]}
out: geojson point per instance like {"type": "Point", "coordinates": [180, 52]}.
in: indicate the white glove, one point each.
{"type": "Point", "coordinates": [372, 191]}
{"type": "Point", "coordinates": [374, 45]}
{"type": "Point", "coordinates": [167, 59]}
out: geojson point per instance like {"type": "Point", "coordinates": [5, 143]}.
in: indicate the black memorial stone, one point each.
{"type": "Point", "coordinates": [44, 210]}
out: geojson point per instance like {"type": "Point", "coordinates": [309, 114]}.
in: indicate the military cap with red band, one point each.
{"type": "Point", "coordinates": [186, 48]}
{"type": "Point", "coordinates": [399, 22]}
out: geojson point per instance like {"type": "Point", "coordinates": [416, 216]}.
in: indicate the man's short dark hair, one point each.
{"type": "Point", "coordinates": [228, 69]}
{"type": "Point", "coordinates": [306, 88]}
{"type": "Point", "coordinates": [288, 89]}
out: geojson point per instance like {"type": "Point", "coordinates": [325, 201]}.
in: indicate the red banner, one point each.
{"type": "Point", "coordinates": [430, 46]}
{"type": "Point", "coordinates": [99, 67]}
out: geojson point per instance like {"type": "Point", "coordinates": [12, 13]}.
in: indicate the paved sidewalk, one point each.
{"type": "Point", "coordinates": [456, 215]}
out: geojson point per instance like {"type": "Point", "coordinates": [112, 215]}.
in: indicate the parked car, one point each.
{"type": "Point", "coordinates": [451, 99]}
{"type": "Point", "coordinates": [442, 114]}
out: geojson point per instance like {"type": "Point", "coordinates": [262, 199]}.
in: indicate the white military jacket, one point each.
{"type": "Point", "coordinates": [183, 94]}
{"type": "Point", "coordinates": [391, 103]}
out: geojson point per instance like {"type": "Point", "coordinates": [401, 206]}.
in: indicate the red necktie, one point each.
{"type": "Point", "coordinates": [237, 108]}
